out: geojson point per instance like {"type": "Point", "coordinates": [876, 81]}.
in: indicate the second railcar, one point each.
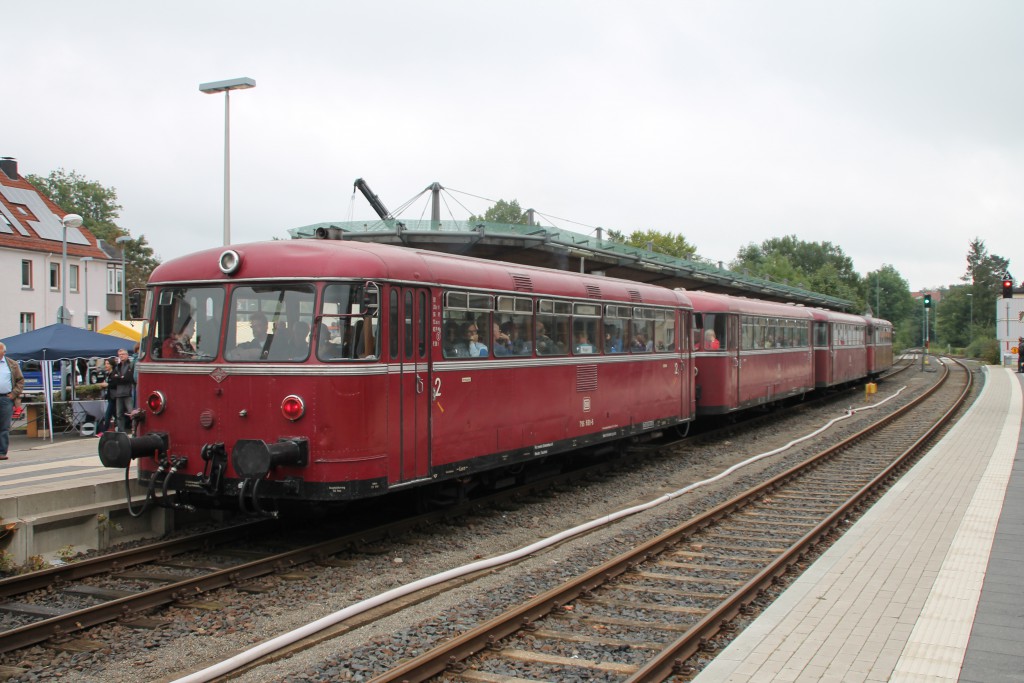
{"type": "Point", "coordinates": [840, 348]}
{"type": "Point", "coordinates": [748, 352]}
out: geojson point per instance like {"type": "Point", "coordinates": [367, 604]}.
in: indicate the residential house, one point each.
{"type": "Point", "coordinates": [32, 237]}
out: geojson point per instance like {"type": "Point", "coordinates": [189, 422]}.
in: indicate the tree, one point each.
{"type": "Point", "coordinates": [672, 244]}
{"type": "Point", "coordinates": [98, 207]}
{"type": "Point", "coordinates": [815, 266]}
{"type": "Point", "coordinates": [502, 212]}
{"type": "Point", "coordinates": [984, 275]}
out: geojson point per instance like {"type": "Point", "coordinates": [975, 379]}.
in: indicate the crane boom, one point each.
{"type": "Point", "coordinates": [375, 201]}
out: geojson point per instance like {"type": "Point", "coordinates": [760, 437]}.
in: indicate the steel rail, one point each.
{"type": "Point", "coordinates": [450, 653]}
{"type": "Point", "coordinates": [62, 625]}
{"type": "Point", "coordinates": [670, 661]}
{"type": "Point", "coordinates": [153, 552]}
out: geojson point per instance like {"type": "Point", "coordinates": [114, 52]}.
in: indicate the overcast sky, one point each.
{"type": "Point", "coordinates": [890, 128]}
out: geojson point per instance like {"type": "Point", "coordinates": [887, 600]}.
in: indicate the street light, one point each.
{"type": "Point", "coordinates": [72, 220]}
{"type": "Point", "coordinates": [124, 276]}
{"type": "Point", "coordinates": [226, 87]}
{"type": "Point", "coordinates": [85, 260]}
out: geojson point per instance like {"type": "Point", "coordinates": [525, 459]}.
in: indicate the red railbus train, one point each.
{"type": "Point", "coordinates": [317, 371]}
{"type": "Point", "coordinates": [327, 371]}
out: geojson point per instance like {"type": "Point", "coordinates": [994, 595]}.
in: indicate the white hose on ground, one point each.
{"type": "Point", "coordinates": [283, 640]}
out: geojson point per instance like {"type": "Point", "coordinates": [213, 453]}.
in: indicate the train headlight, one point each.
{"type": "Point", "coordinates": [229, 261]}
{"type": "Point", "coordinates": [293, 407]}
{"type": "Point", "coordinates": [156, 402]}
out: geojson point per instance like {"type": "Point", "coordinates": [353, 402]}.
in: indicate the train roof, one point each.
{"type": "Point", "coordinates": [824, 315]}
{"type": "Point", "coordinates": [706, 302]}
{"type": "Point", "coordinates": [307, 259]}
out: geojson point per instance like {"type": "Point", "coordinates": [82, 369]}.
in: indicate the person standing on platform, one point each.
{"type": "Point", "coordinates": [12, 382]}
{"type": "Point", "coordinates": [121, 384]}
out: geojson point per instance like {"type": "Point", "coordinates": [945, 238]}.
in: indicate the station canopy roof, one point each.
{"type": "Point", "coordinates": [126, 329]}
{"type": "Point", "coordinates": [550, 247]}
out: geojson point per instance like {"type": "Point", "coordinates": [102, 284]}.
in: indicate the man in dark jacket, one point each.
{"type": "Point", "coordinates": [121, 385]}
{"type": "Point", "coordinates": [12, 382]}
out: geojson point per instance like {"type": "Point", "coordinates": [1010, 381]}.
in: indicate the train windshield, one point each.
{"type": "Point", "coordinates": [269, 323]}
{"type": "Point", "coordinates": [186, 324]}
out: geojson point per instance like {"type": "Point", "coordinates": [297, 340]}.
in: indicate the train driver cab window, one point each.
{"type": "Point", "coordinates": [269, 323]}
{"type": "Point", "coordinates": [348, 325]}
{"type": "Point", "coordinates": [186, 324]}
{"type": "Point", "coordinates": [466, 326]}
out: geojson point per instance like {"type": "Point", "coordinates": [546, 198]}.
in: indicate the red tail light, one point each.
{"type": "Point", "coordinates": [156, 403]}
{"type": "Point", "coordinates": [293, 407]}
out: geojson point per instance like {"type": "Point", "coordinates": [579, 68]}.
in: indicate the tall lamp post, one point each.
{"type": "Point", "coordinates": [226, 87]}
{"type": "Point", "coordinates": [85, 260]}
{"type": "Point", "coordinates": [72, 220]}
{"type": "Point", "coordinates": [124, 276]}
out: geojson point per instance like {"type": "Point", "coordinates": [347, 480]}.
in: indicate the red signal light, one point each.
{"type": "Point", "coordinates": [156, 402]}
{"type": "Point", "coordinates": [1008, 288]}
{"type": "Point", "coordinates": [293, 407]}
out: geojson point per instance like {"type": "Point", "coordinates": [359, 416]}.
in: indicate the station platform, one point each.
{"type": "Point", "coordinates": [59, 498]}
{"type": "Point", "coordinates": [926, 586]}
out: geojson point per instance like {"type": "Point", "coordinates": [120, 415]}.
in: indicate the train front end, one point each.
{"type": "Point", "coordinates": [256, 386]}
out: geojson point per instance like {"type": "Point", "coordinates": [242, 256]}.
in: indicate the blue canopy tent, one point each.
{"type": "Point", "coordinates": [59, 342]}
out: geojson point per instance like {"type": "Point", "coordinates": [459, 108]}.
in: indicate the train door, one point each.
{"type": "Point", "coordinates": [734, 366]}
{"type": "Point", "coordinates": [409, 341]}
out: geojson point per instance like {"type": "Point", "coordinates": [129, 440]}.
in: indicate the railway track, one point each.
{"type": "Point", "coordinates": [648, 614]}
{"type": "Point", "coordinates": [132, 585]}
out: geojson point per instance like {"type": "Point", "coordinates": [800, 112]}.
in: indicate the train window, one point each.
{"type": "Point", "coordinates": [616, 328]}
{"type": "Point", "coordinates": [467, 301]}
{"type": "Point", "coordinates": [348, 322]}
{"type": "Point", "coordinates": [552, 328]}
{"type": "Point", "coordinates": [821, 335]}
{"type": "Point", "coordinates": [586, 328]}
{"type": "Point", "coordinates": [270, 323]}
{"type": "Point", "coordinates": [408, 325]}
{"type": "Point", "coordinates": [393, 325]}
{"type": "Point", "coordinates": [515, 304]}
{"type": "Point", "coordinates": [186, 324]}
{"type": "Point", "coordinates": [467, 325]}
{"type": "Point", "coordinates": [714, 332]}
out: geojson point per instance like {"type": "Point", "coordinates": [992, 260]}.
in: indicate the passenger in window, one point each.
{"type": "Point", "coordinates": [641, 344]}
{"type": "Point", "coordinates": [472, 336]}
{"type": "Point", "coordinates": [502, 343]}
{"type": "Point", "coordinates": [256, 347]}
{"type": "Point", "coordinates": [711, 342]}
{"type": "Point", "coordinates": [300, 340]}
{"type": "Point", "coordinates": [179, 345]}
{"type": "Point", "coordinates": [454, 345]}
{"type": "Point", "coordinates": [511, 330]}
{"type": "Point", "coordinates": [324, 348]}
{"type": "Point", "coordinates": [545, 347]}
{"type": "Point", "coordinates": [583, 344]}
{"type": "Point", "coordinates": [612, 339]}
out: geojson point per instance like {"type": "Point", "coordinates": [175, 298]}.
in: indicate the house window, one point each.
{"type": "Point", "coordinates": [26, 274]}
{"type": "Point", "coordinates": [55, 277]}
{"type": "Point", "coordinates": [73, 278]}
{"type": "Point", "coordinates": [27, 322]}
{"type": "Point", "coordinates": [90, 323]}
{"type": "Point", "coordinates": [113, 280]}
